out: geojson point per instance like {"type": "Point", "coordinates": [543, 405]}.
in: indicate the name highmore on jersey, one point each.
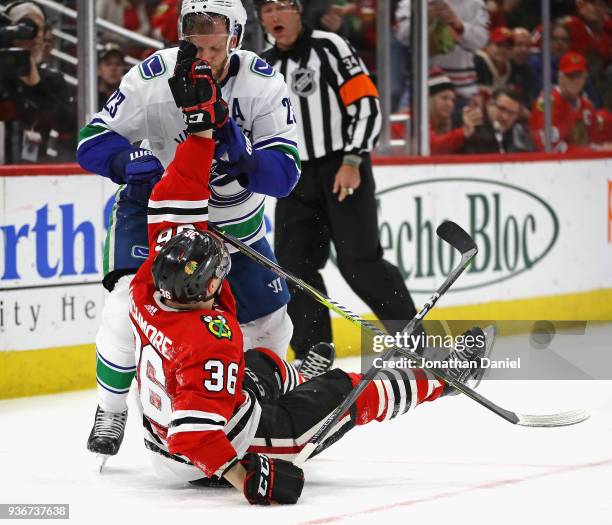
{"type": "Point", "coordinates": [157, 338]}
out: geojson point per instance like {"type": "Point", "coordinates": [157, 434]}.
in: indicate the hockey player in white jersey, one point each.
{"type": "Point", "coordinates": [131, 141]}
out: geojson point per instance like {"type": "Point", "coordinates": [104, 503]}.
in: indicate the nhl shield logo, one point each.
{"type": "Point", "coordinates": [303, 81]}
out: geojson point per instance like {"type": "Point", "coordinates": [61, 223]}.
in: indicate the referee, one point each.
{"type": "Point", "coordinates": [336, 107]}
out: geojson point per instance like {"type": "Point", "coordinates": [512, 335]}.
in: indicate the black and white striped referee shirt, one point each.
{"type": "Point", "coordinates": [334, 99]}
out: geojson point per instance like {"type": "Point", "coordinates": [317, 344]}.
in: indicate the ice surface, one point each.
{"type": "Point", "coordinates": [450, 460]}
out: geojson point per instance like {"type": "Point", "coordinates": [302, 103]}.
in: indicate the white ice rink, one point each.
{"type": "Point", "coordinates": [449, 461]}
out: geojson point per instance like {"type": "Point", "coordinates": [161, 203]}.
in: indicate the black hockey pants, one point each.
{"type": "Point", "coordinates": [305, 224]}
{"type": "Point", "coordinates": [289, 420]}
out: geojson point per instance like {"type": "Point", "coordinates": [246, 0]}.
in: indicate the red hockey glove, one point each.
{"type": "Point", "coordinates": [196, 91]}
{"type": "Point", "coordinates": [271, 480]}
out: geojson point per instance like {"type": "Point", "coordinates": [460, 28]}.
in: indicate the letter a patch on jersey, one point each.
{"type": "Point", "coordinates": [152, 67]}
{"type": "Point", "coordinates": [217, 326]}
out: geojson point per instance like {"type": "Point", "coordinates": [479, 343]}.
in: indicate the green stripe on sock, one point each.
{"type": "Point", "coordinates": [89, 131]}
{"type": "Point", "coordinates": [289, 151]}
{"type": "Point", "coordinates": [113, 378]}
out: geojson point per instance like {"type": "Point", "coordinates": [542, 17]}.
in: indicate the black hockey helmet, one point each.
{"type": "Point", "coordinates": [186, 264]}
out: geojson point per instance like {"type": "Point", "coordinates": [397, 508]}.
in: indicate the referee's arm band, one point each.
{"type": "Point", "coordinates": [356, 88]}
{"type": "Point", "coordinates": [350, 159]}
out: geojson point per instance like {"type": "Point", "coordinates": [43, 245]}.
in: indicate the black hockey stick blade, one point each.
{"type": "Point", "coordinates": [456, 236]}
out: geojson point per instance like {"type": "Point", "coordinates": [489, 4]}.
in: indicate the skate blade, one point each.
{"type": "Point", "coordinates": [103, 458]}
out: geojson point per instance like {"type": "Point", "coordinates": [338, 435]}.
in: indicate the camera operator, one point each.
{"type": "Point", "coordinates": [36, 103]}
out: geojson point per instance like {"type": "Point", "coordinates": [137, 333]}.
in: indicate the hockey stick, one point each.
{"type": "Point", "coordinates": [460, 240]}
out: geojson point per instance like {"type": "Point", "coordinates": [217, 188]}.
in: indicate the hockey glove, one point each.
{"type": "Point", "coordinates": [271, 480]}
{"type": "Point", "coordinates": [187, 51]}
{"type": "Point", "coordinates": [234, 152]}
{"type": "Point", "coordinates": [139, 169]}
{"type": "Point", "coordinates": [196, 91]}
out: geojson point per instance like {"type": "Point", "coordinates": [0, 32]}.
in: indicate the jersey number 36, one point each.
{"type": "Point", "coordinates": [220, 376]}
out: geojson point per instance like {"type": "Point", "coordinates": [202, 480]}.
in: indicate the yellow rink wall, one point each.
{"type": "Point", "coordinates": [51, 370]}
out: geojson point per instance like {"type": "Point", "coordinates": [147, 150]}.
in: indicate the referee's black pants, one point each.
{"type": "Point", "coordinates": [306, 222]}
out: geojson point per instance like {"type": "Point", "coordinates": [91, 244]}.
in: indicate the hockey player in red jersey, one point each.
{"type": "Point", "coordinates": [573, 115]}
{"type": "Point", "coordinates": [210, 409]}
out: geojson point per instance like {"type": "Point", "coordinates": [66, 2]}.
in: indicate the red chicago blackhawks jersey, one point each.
{"type": "Point", "coordinates": [572, 122]}
{"type": "Point", "coordinates": [190, 362]}
{"type": "Point", "coordinates": [588, 43]}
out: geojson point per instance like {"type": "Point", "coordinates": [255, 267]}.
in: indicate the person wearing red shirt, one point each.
{"type": "Point", "coordinates": [211, 409]}
{"type": "Point", "coordinates": [165, 21]}
{"type": "Point", "coordinates": [442, 138]}
{"type": "Point", "coordinates": [591, 31]}
{"type": "Point", "coordinates": [573, 115]}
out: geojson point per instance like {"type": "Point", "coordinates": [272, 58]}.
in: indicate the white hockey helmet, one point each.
{"type": "Point", "coordinates": [232, 10]}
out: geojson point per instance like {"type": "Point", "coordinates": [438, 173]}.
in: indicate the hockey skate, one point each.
{"type": "Point", "coordinates": [107, 434]}
{"type": "Point", "coordinates": [471, 376]}
{"type": "Point", "coordinates": [318, 360]}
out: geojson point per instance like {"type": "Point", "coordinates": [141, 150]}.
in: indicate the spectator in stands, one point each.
{"type": "Point", "coordinates": [111, 68]}
{"type": "Point", "coordinates": [528, 14]}
{"type": "Point", "coordinates": [164, 21]}
{"type": "Point", "coordinates": [591, 32]}
{"type": "Point", "coordinates": [559, 45]}
{"type": "Point", "coordinates": [443, 139]}
{"type": "Point", "coordinates": [494, 69]}
{"type": "Point", "coordinates": [573, 115]}
{"type": "Point", "coordinates": [501, 131]}
{"type": "Point", "coordinates": [330, 15]}
{"type": "Point", "coordinates": [500, 11]}
{"type": "Point", "coordinates": [522, 46]}
{"type": "Point", "coordinates": [354, 20]}
{"type": "Point", "coordinates": [130, 14]}
{"type": "Point", "coordinates": [38, 108]}
{"type": "Point", "coordinates": [519, 62]}
{"type": "Point", "coordinates": [457, 29]}
{"type": "Point", "coordinates": [591, 36]}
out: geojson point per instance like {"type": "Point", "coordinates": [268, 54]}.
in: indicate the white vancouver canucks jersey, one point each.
{"type": "Point", "coordinates": [143, 109]}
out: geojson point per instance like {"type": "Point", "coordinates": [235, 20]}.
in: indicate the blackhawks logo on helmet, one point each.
{"type": "Point", "coordinates": [191, 267]}
{"type": "Point", "coordinates": [217, 326]}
